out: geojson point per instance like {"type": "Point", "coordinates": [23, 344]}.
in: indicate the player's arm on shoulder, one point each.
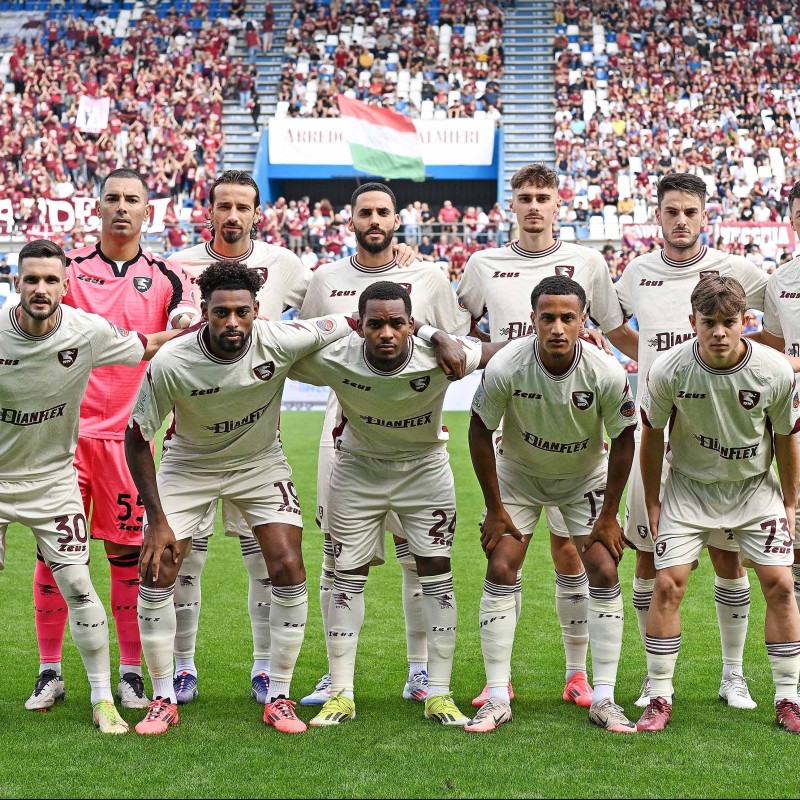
{"type": "Point", "coordinates": [449, 352]}
{"type": "Point", "coordinates": [626, 340]}
{"type": "Point", "coordinates": [488, 350]}
{"type": "Point", "coordinates": [311, 368]}
{"type": "Point", "coordinates": [299, 338]}
{"type": "Point", "coordinates": [404, 254]}
{"type": "Point", "coordinates": [185, 311]}
{"type": "Point", "coordinates": [156, 340]}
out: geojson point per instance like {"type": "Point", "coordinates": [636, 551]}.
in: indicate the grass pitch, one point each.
{"type": "Point", "coordinates": [222, 749]}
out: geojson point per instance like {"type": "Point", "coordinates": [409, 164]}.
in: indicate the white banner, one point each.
{"type": "Point", "coordinates": [445, 142]}
{"type": "Point", "coordinates": [60, 216]}
{"type": "Point", "coordinates": [92, 114]}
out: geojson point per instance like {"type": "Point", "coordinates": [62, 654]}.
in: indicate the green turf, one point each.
{"type": "Point", "coordinates": [222, 749]}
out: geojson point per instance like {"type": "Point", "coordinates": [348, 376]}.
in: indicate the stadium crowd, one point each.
{"type": "Point", "coordinates": [165, 82]}
{"type": "Point", "coordinates": [707, 88]}
{"type": "Point", "coordinates": [397, 57]}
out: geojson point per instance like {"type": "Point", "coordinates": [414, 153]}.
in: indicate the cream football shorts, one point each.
{"type": "Point", "coordinates": [749, 512]}
{"type": "Point", "coordinates": [53, 509]}
{"type": "Point", "coordinates": [420, 492]}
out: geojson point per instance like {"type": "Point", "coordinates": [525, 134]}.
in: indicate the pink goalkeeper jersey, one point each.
{"type": "Point", "coordinates": [142, 295]}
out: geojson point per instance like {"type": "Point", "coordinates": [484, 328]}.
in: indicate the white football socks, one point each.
{"type": "Point", "coordinates": [89, 626]}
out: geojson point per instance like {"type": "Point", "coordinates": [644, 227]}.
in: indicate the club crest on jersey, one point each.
{"type": "Point", "coordinates": [264, 371]}
{"type": "Point", "coordinates": [708, 273]}
{"type": "Point", "coordinates": [661, 548]}
{"type": "Point", "coordinates": [627, 409]}
{"type": "Point", "coordinates": [142, 283]}
{"type": "Point", "coordinates": [748, 398]}
{"type": "Point", "coordinates": [642, 531]}
{"type": "Point", "coordinates": [68, 357]}
{"type": "Point", "coordinates": [582, 400]}
{"type": "Point", "coordinates": [262, 272]}
{"type": "Point", "coordinates": [325, 325]}
{"type": "Point", "coordinates": [406, 286]}
{"type": "Point", "coordinates": [420, 384]}
{"type": "Point", "coordinates": [565, 270]}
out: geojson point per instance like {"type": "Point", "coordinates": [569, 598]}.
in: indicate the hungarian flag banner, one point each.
{"type": "Point", "coordinates": [382, 142]}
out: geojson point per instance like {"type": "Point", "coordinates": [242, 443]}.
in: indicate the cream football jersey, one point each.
{"type": "Point", "coordinates": [782, 306]}
{"type": "Point", "coordinates": [225, 411]}
{"type": "Point", "coordinates": [284, 279]}
{"type": "Point", "coordinates": [500, 280]}
{"type": "Point", "coordinates": [553, 424]}
{"type": "Point", "coordinates": [657, 291]}
{"type": "Point", "coordinates": [336, 287]}
{"type": "Point", "coordinates": [393, 415]}
{"type": "Point", "coordinates": [43, 381]}
{"type": "Point", "coordinates": [720, 421]}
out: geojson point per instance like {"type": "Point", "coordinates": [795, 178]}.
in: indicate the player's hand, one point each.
{"type": "Point", "coordinates": [404, 255]}
{"type": "Point", "coordinates": [594, 336]}
{"type": "Point", "coordinates": [608, 532]}
{"type": "Point", "coordinates": [653, 516]}
{"type": "Point", "coordinates": [494, 527]}
{"type": "Point", "coordinates": [157, 539]}
{"type": "Point", "coordinates": [450, 356]}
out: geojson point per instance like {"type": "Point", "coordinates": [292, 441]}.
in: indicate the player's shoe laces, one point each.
{"type": "Point", "coordinates": [260, 688]}
{"type": "Point", "coordinates": [280, 714]}
{"type": "Point", "coordinates": [160, 716]}
{"type": "Point", "coordinates": [337, 709]}
{"type": "Point", "coordinates": [787, 715]}
{"type": "Point", "coordinates": [47, 691]}
{"type": "Point", "coordinates": [185, 685]}
{"type": "Point", "coordinates": [492, 714]}
{"type": "Point", "coordinates": [481, 699]}
{"type": "Point", "coordinates": [735, 693]}
{"type": "Point", "coordinates": [106, 717]}
{"type": "Point", "coordinates": [321, 694]}
{"type": "Point", "coordinates": [130, 691]}
{"type": "Point", "coordinates": [416, 687]}
{"type": "Point", "coordinates": [578, 690]}
{"type": "Point", "coordinates": [644, 696]}
{"type": "Point", "coordinates": [444, 710]}
{"type": "Point", "coordinates": [607, 714]}
{"type": "Point", "coordinates": [656, 716]}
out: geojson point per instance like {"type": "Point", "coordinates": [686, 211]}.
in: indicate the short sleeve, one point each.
{"type": "Point", "coordinates": [784, 410]}
{"type": "Point", "coordinates": [617, 403]}
{"type": "Point", "coordinates": [491, 397]}
{"type": "Point", "coordinates": [772, 319]}
{"type": "Point", "coordinates": [114, 345]}
{"type": "Point", "coordinates": [657, 403]}
{"type": "Point", "coordinates": [153, 402]}
{"type": "Point", "coordinates": [470, 291]}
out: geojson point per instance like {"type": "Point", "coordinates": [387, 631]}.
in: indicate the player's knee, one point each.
{"type": "Point", "coordinates": [601, 571]}
{"type": "Point", "coordinates": [502, 570]}
{"type": "Point", "coordinates": [669, 590]}
{"type": "Point", "coordinates": [565, 556]}
{"type": "Point", "coordinates": [726, 563]}
{"type": "Point", "coordinates": [434, 565]}
{"type": "Point", "coordinates": [779, 590]}
{"type": "Point", "coordinates": [645, 565]}
{"type": "Point", "coordinates": [73, 582]}
{"type": "Point", "coordinates": [287, 569]}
